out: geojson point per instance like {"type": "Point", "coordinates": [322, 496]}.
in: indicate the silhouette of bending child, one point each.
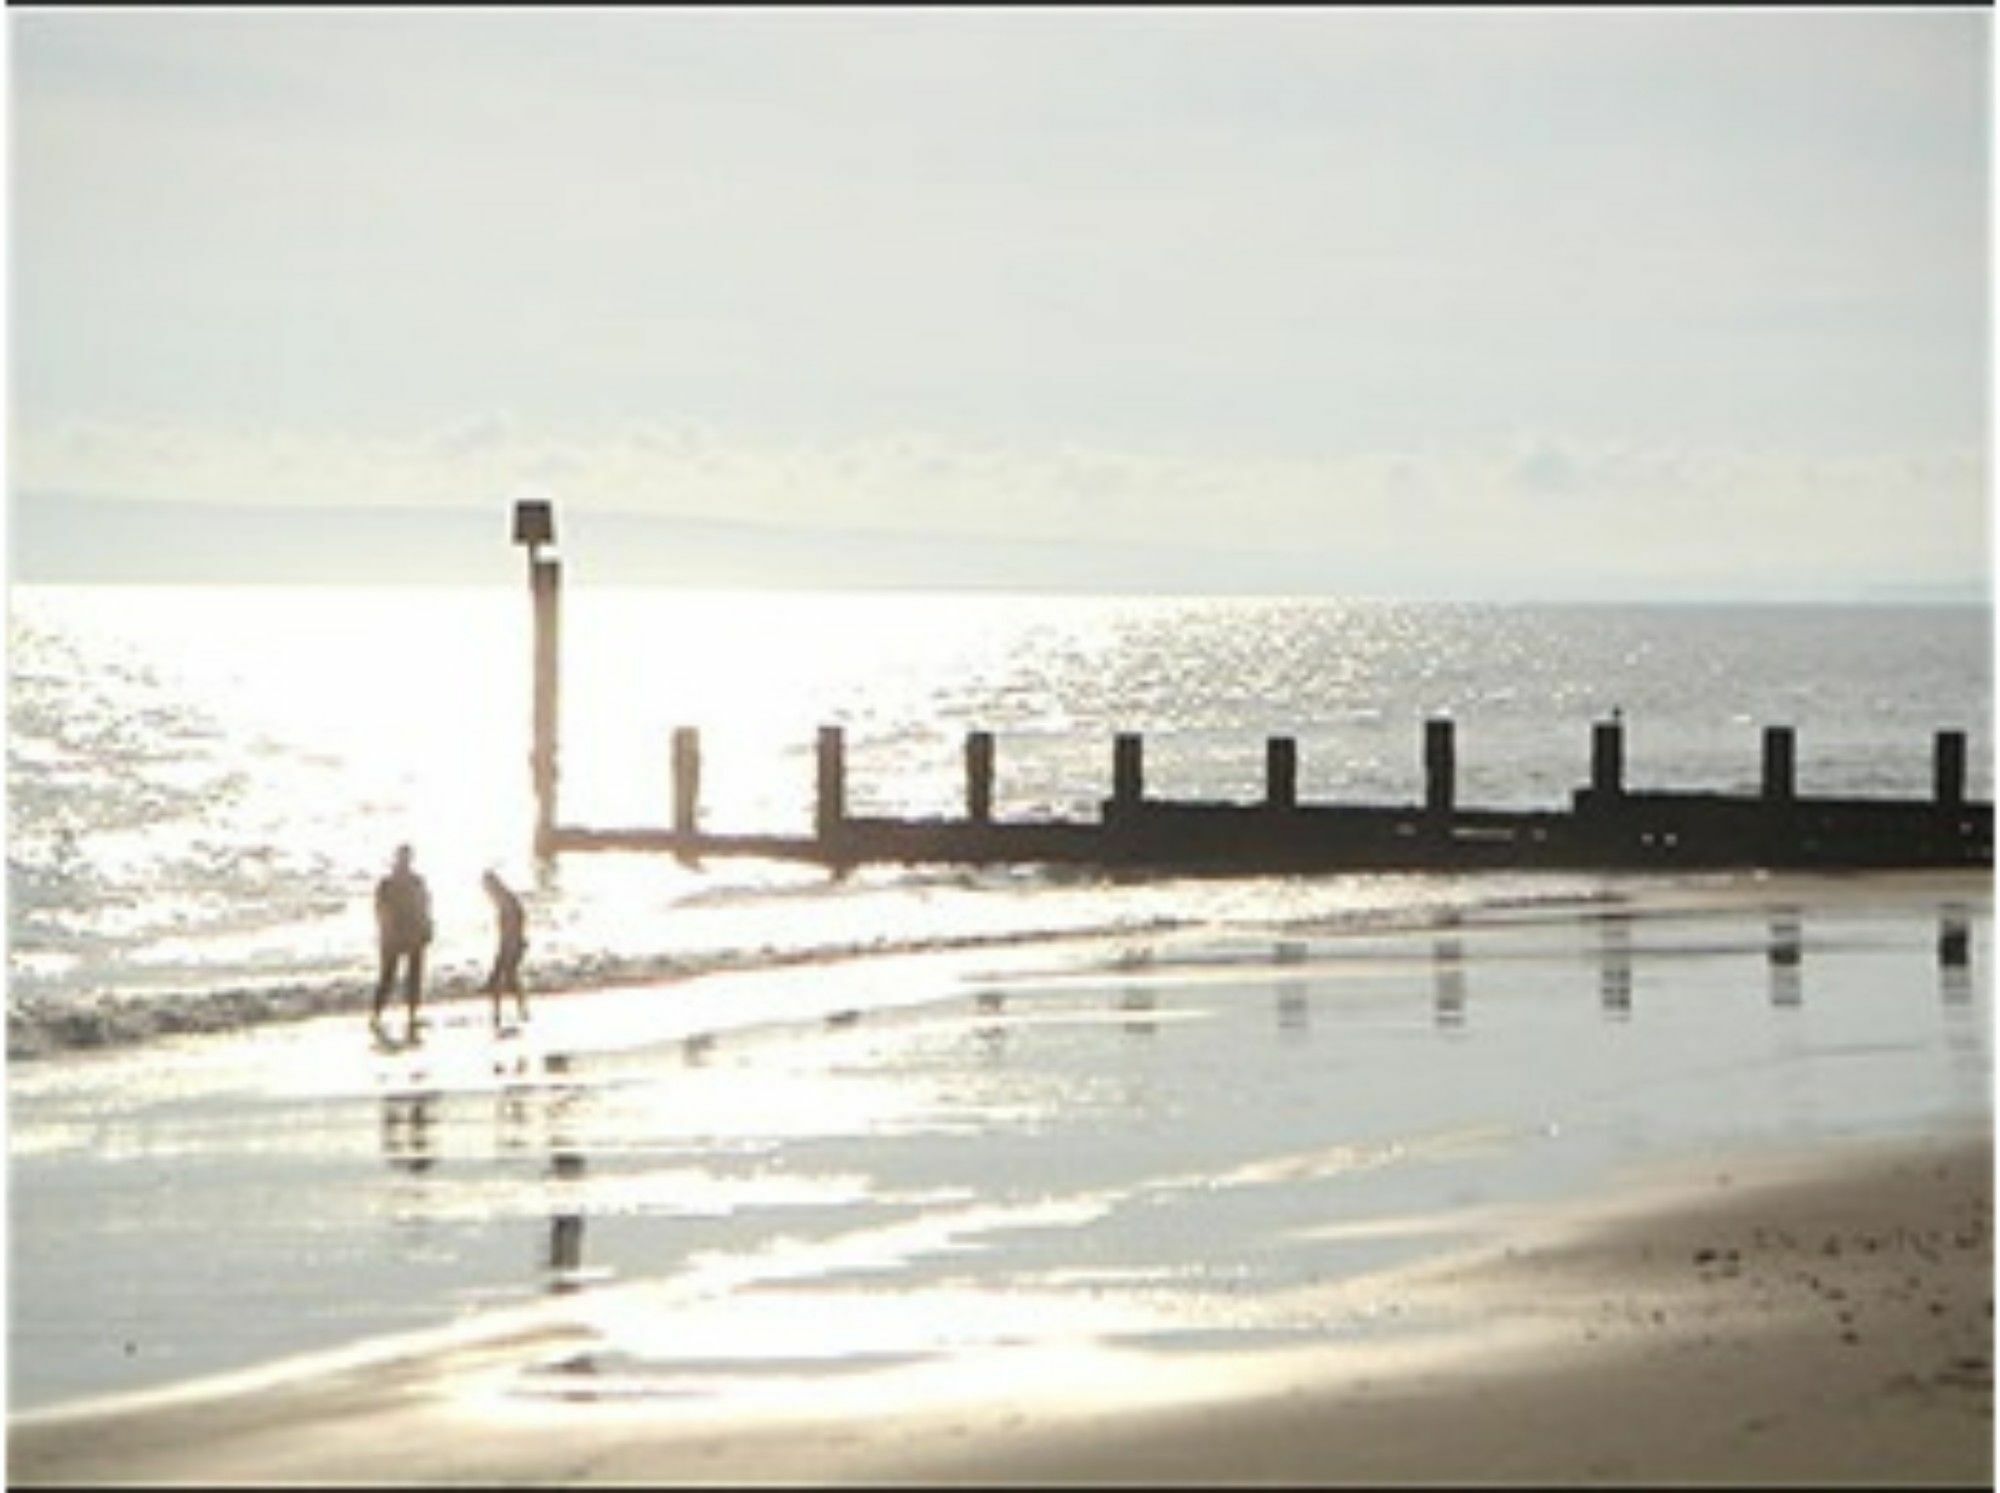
{"type": "Point", "coordinates": [506, 976]}
{"type": "Point", "coordinates": [403, 928]}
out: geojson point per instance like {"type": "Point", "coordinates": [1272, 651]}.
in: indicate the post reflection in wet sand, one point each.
{"type": "Point", "coordinates": [567, 1165]}
{"type": "Point", "coordinates": [991, 1032]}
{"type": "Point", "coordinates": [1954, 955]}
{"type": "Point", "coordinates": [1785, 956]}
{"type": "Point", "coordinates": [565, 1253]}
{"type": "Point", "coordinates": [1294, 1011]}
{"type": "Point", "coordinates": [1965, 1030]}
{"type": "Point", "coordinates": [1138, 1006]}
{"type": "Point", "coordinates": [1294, 1018]}
{"type": "Point", "coordinates": [1614, 953]}
{"type": "Point", "coordinates": [1448, 982]}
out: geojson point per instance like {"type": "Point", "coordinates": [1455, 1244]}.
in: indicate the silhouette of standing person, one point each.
{"type": "Point", "coordinates": [506, 976]}
{"type": "Point", "coordinates": [403, 927]}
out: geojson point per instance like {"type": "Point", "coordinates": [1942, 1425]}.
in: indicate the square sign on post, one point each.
{"type": "Point", "coordinates": [534, 523]}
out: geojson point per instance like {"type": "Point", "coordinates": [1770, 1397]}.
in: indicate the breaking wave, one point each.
{"type": "Point", "coordinates": [43, 1024]}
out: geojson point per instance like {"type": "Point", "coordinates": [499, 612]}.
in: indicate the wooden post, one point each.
{"type": "Point", "coordinates": [979, 776]}
{"type": "Point", "coordinates": [534, 526]}
{"type": "Point", "coordinates": [832, 806]}
{"type": "Point", "coordinates": [1948, 769]}
{"type": "Point", "coordinates": [1281, 772]}
{"type": "Point", "coordinates": [687, 779]}
{"type": "Point", "coordinates": [1440, 766]}
{"type": "Point", "coordinates": [1607, 759]}
{"type": "Point", "coordinates": [1128, 770]}
{"type": "Point", "coordinates": [1780, 758]}
{"type": "Point", "coordinates": [548, 629]}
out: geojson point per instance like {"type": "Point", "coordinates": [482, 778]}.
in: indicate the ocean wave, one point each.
{"type": "Point", "coordinates": [51, 1023]}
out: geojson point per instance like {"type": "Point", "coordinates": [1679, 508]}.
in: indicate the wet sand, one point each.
{"type": "Point", "coordinates": [1812, 1320]}
{"type": "Point", "coordinates": [1820, 1317]}
{"type": "Point", "coordinates": [1679, 1188]}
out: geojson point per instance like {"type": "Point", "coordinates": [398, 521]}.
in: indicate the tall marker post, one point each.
{"type": "Point", "coordinates": [534, 528]}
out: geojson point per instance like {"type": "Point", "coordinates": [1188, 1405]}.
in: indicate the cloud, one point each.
{"type": "Point", "coordinates": [1553, 512]}
{"type": "Point", "coordinates": [1541, 468]}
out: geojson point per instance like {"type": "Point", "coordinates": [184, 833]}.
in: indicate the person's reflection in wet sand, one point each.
{"type": "Point", "coordinates": [1448, 982]}
{"type": "Point", "coordinates": [1614, 954]}
{"type": "Point", "coordinates": [1138, 1004]}
{"type": "Point", "coordinates": [1785, 956]}
{"type": "Point", "coordinates": [406, 1131]}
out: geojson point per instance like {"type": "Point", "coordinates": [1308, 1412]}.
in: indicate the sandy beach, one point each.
{"type": "Point", "coordinates": [1818, 1319]}
{"type": "Point", "coordinates": [1686, 1186]}
{"type": "Point", "coordinates": [1094, 747]}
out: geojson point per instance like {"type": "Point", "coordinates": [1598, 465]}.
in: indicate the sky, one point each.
{"type": "Point", "coordinates": [1490, 302]}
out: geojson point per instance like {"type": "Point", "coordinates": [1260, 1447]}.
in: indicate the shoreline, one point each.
{"type": "Point", "coordinates": [119, 1023]}
{"type": "Point", "coordinates": [1818, 1314]}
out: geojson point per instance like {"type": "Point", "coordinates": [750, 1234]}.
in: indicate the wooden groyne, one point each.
{"type": "Point", "coordinates": [1606, 824]}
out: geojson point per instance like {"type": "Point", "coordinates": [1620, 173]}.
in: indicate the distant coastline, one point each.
{"type": "Point", "coordinates": [65, 539]}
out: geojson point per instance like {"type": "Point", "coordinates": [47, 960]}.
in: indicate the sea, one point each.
{"type": "Point", "coordinates": [770, 1129]}
{"type": "Point", "coordinates": [204, 783]}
